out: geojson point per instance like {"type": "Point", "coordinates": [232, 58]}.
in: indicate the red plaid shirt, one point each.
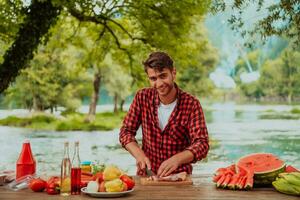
{"type": "Point", "coordinates": [186, 128]}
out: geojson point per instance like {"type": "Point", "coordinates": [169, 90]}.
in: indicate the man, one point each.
{"type": "Point", "coordinates": [173, 125]}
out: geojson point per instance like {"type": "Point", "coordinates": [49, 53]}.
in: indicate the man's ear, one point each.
{"type": "Point", "coordinates": [174, 73]}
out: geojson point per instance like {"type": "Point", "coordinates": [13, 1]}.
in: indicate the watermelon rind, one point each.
{"type": "Point", "coordinates": [267, 177]}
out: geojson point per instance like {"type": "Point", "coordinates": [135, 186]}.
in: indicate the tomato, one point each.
{"type": "Point", "coordinates": [102, 187]}
{"type": "Point", "coordinates": [53, 185]}
{"type": "Point", "coordinates": [99, 176]}
{"type": "Point", "coordinates": [128, 181]}
{"type": "Point", "coordinates": [37, 185]}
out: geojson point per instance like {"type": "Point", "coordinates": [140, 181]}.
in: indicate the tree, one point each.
{"type": "Point", "coordinates": [117, 81]}
{"type": "Point", "coordinates": [39, 18]}
{"type": "Point", "coordinates": [149, 20]}
{"type": "Point", "coordinates": [281, 77]}
{"type": "Point", "coordinates": [53, 77]}
{"type": "Point", "coordinates": [47, 84]}
{"type": "Point", "coordinates": [290, 74]}
{"type": "Point", "coordinates": [196, 59]}
{"type": "Point", "coordinates": [280, 18]}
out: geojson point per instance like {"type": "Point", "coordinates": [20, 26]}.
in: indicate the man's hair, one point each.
{"type": "Point", "coordinates": [158, 61]}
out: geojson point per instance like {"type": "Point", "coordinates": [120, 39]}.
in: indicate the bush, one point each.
{"type": "Point", "coordinates": [295, 111]}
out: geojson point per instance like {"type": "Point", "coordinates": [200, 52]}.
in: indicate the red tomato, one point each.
{"type": "Point", "coordinates": [37, 185]}
{"type": "Point", "coordinates": [99, 176]}
{"type": "Point", "coordinates": [128, 181]}
{"type": "Point", "coordinates": [102, 187]}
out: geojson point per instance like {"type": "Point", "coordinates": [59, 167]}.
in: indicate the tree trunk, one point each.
{"type": "Point", "coordinates": [122, 104]}
{"type": "Point", "coordinates": [37, 106]}
{"type": "Point", "coordinates": [41, 15]}
{"type": "Point", "coordinates": [116, 103]}
{"type": "Point", "coordinates": [290, 97]}
{"type": "Point", "coordinates": [95, 97]}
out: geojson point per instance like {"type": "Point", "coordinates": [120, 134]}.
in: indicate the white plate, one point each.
{"type": "Point", "coordinates": [105, 194]}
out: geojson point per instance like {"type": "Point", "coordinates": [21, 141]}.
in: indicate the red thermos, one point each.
{"type": "Point", "coordinates": [26, 163]}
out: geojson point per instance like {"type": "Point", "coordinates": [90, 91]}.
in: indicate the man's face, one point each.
{"type": "Point", "coordinates": [162, 81]}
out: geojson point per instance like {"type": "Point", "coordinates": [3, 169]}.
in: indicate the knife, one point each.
{"type": "Point", "coordinates": [149, 172]}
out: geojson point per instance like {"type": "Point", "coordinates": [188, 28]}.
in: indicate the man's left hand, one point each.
{"type": "Point", "coordinates": [168, 166]}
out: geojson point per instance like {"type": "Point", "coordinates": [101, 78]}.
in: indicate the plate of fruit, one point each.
{"type": "Point", "coordinates": [112, 182]}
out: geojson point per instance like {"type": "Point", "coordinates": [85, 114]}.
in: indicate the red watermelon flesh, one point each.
{"type": "Point", "coordinates": [221, 180]}
{"type": "Point", "coordinates": [290, 168]}
{"type": "Point", "coordinates": [233, 181]}
{"type": "Point", "coordinates": [261, 162]}
{"type": "Point", "coordinates": [226, 181]}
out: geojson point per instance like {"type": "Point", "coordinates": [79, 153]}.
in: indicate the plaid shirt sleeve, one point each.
{"type": "Point", "coordinates": [131, 122]}
{"type": "Point", "coordinates": [198, 133]}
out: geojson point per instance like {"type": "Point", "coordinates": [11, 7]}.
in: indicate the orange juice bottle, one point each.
{"type": "Point", "coordinates": [26, 163]}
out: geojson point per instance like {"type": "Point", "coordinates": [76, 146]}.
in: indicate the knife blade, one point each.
{"type": "Point", "coordinates": [149, 172]}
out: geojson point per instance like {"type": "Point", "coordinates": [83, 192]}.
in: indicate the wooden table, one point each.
{"type": "Point", "coordinates": [202, 189]}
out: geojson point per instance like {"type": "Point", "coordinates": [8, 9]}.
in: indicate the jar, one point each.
{"type": "Point", "coordinates": [86, 166]}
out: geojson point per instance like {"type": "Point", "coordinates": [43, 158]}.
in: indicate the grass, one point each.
{"type": "Point", "coordinates": [68, 122]}
{"type": "Point", "coordinates": [279, 116]}
{"type": "Point", "coordinates": [295, 111]}
{"type": "Point", "coordinates": [293, 114]}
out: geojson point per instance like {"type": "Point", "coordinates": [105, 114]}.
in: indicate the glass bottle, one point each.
{"type": "Point", "coordinates": [76, 171]}
{"type": "Point", "coordinates": [26, 163]}
{"type": "Point", "coordinates": [65, 189]}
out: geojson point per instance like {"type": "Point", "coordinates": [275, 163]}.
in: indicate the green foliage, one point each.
{"type": "Point", "coordinates": [103, 121]}
{"type": "Point", "coordinates": [29, 121]}
{"type": "Point", "coordinates": [40, 16]}
{"type": "Point", "coordinates": [11, 16]}
{"type": "Point", "coordinates": [71, 121]}
{"type": "Point", "coordinates": [252, 90]}
{"type": "Point", "coordinates": [279, 116]}
{"type": "Point", "coordinates": [281, 77]}
{"type": "Point", "coordinates": [274, 18]}
{"type": "Point", "coordinates": [195, 60]}
{"type": "Point", "coordinates": [295, 111]}
{"type": "Point", "coordinates": [117, 81]}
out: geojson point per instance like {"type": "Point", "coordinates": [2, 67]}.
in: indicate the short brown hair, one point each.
{"type": "Point", "coordinates": [158, 61]}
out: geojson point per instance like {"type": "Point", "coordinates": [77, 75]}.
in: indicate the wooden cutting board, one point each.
{"type": "Point", "coordinates": [187, 181]}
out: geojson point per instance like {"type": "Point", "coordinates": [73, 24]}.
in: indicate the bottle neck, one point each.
{"type": "Point", "coordinates": [66, 151]}
{"type": "Point", "coordinates": [76, 158]}
{"type": "Point", "coordinates": [26, 155]}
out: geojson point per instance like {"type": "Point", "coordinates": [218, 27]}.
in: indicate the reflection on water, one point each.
{"type": "Point", "coordinates": [236, 130]}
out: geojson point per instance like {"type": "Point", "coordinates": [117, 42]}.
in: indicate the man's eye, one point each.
{"type": "Point", "coordinates": [163, 76]}
{"type": "Point", "coordinates": [152, 78]}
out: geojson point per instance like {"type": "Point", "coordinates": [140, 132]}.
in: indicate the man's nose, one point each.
{"type": "Point", "coordinates": [159, 83]}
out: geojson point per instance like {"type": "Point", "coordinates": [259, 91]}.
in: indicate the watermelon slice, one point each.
{"type": "Point", "coordinates": [265, 167]}
{"type": "Point", "coordinates": [290, 168]}
{"type": "Point", "coordinates": [233, 181]}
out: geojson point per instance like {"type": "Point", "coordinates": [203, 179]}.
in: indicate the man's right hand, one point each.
{"type": "Point", "coordinates": [142, 161]}
{"type": "Point", "coordinates": [141, 164]}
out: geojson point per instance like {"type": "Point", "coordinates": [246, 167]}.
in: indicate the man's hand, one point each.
{"type": "Point", "coordinates": [168, 166]}
{"type": "Point", "coordinates": [142, 161]}
{"type": "Point", "coordinates": [141, 164]}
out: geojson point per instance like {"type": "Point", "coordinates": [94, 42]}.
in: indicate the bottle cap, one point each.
{"type": "Point", "coordinates": [26, 141]}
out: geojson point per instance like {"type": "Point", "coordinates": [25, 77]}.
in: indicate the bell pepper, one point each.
{"type": "Point", "coordinates": [53, 185]}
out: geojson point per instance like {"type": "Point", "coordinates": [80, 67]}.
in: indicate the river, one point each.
{"type": "Point", "coordinates": [237, 129]}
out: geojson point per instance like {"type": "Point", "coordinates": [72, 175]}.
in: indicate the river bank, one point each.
{"type": "Point", "coordinates": [236, 129]}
